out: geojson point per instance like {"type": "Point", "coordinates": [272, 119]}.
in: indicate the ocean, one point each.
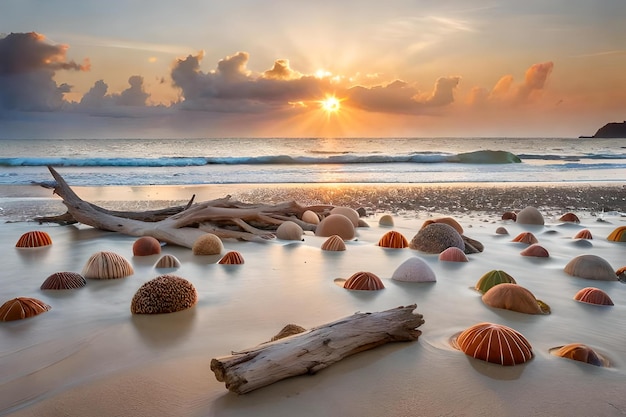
{"type": "Point", "coordinates": [139, 162]}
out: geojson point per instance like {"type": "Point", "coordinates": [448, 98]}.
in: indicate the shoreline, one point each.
{"type": "Point", "coordinates": [25, 203]}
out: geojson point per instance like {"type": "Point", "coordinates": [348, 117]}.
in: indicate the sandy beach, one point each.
{"type": "Point", "coordinates": [89, 356]}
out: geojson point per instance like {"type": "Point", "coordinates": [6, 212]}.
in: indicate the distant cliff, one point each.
{"type": "Point", "coordinates": [611, 130]}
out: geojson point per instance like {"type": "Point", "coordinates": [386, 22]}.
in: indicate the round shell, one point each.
{"type": "Point", "coordinates": [502, 231]}
{"type": "Point", "coordinates": [445, 220]}
{"type": "Point", "coordinates": [591, 295]}
{"type": "Point", "coordinates": [232, 258]}
{"type": "Point", "coordinates": [515, 298]}
{"type": "Point", "coordinates": [386, 220]}
{"type": "Point", "coordinates": [569, 218]}
{"type": "Point", "coordinates": [536, 251]}
{"type": "Point", "coordinates": [289, 230]}
{"type": "Point", "coordinates": [350, 213]}
{"type": "Point", "coordinates": [618, 235]}
{"type": "Point", "coordinates": [107, 265]}
{"type": "Point", "coordinates": [336, 224]}
{"type": "Point", "coordinates": [437, 237]}
{"type": "Point", "coordinates": [414, 269]}
{"type": "Point", "coordinates": [146, 246]}
{"type": "Point", "coordinates": [34, 239]}
{"type": "Point", "coordinates": [22, 308]}
{"type": "Point", "coordinates": [365, 281]}
{"type": "Point", "coordinates": [525, 237]}
{"type": "Point", "coordinates": [334, 243]}
{"type": "Point", "coordinates": [167, 261]}
{"type": "Point", "coordinates": [493, 278]}
{"type": "Point", "coordinates": [64, 281]}
{"type": "Point", "coordinates": [453, 254]}
{"type": "Point", "coordinates": [164, 294]}
{"type": "Point", "coordinates": [394, 240]}
{"type": "Point", "coordinates": [310, 216]}
{"type": "Point", "coordinates": [590, 267]}
{"type": "Point", "coordinates": [495, 343]}
{"type": "Point", "coordinates": [509, 215]}
{"type": "Point", "coordinates": [580, 352]}
{"type": "Point", "coordinates": [583, 234]}
{"type": "Point", "coordinates": [530, 215]}
{"type": "Point", "coordinates": [207, 244]}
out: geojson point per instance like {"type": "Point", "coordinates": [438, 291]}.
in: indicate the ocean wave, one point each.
{"type": "Point", "coordinates": [477, 157]}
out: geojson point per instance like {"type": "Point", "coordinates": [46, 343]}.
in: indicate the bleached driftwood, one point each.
{"type": "Point", "coordinates": [315, 349]}
{"type": "Point", "coordinates": [223, 217]}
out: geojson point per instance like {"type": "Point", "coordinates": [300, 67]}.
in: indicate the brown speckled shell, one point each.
{"type": "Point", "coordinates": [365, 281]}
{"type": "Point", "coordinates": [495, 343]}
{"type": "Point", "coordinates": [107, 265]}
{"type": "Point", "coordinates": [232, 258]}
{"type": "Point", "coordinates": [592, 295]}
{"type": "Point", "coordinates": [64, 281]}
{"type": "Point", "coordinates": [207, 244]}
{"type": "Point", "coordinates": [22, 308]}
{"type": "Point", "coordinates": [164, 294]}
{"type": "Point", "coordinates": [34, 239]}
{"type": "Point", "coordinates": [394, 240]}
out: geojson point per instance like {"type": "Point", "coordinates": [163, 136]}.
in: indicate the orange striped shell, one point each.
{"type": "Point", "coordinates": [580, 352]}
{"type": "Point", "coordinates": [495, 343]}
{"type": "Point", "coordinates": [365, 281]}
{"type": "Point", "coordinates": [334, 243]}
{"type": "Point", "coordinates": [525, 237]}
{"type": "Point", "coordinates": [583, 234]}
{"type": "Point", "coordinates": [22, 308]}
{"type": "Point", "coordinates": [618, 235]}
{"type": "Point", "coordinates": [107, 265]}
{"type": "Point", "coordinates": [64, 281]}
{"type": "Point", "coordinates": [535, 250]}
{"type": "Point", "coordinates": [34, 239]}
{"type": "Point", "coordinates": [232, 258]}
{"type": "Point", "coordinates": [592, 295]}
{"type": "Point", "coordinates": [569, 218]}
{"type": "Point", "coordinates": [394, 240]}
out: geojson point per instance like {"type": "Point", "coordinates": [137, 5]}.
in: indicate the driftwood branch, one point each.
{"type": "Point", "coordinates": [315, 349]}
{"type": "Point", "coordinates": [225, 217]}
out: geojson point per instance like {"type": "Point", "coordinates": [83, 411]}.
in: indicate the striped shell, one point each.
{"type": "Point", "coordinates": [515, 298]}
{"type": "Point", "coordinates": [591, 295]}
{"type": "Point", "coordinates": [22, 308]}
{"type": "Point", "coordinates": [590, 267]}
{"type": "Point", "coordinates": [146, 246]}
{"type": "Point", "coordinates": [580, 352]}
{"type": "Point", "coordinates": [394, 240]}
{"type": "Point", "coordinates": [365, 281]}
{"type": "Point", "coordinates": [207, 244]}
{"type": "Point", "coordinates": [414, 269]}
{"type": "Point", "coordinates": [334, 243]}
{"type": "Point", "coordinates": [164, 294]}
{"type": "Point", "coordinates": [618, 235]}
{"type": "Point", "coordinates": [167, 261]}
{"type": "Point", "coordinates": [289, 230]}
{"type": "Point", "coordinates": [386, 220]}
{"type": "Point", "coordinates": [336, 224]}
{"type": "Point", "coordinates": [569, 218]}
{"type": "Point", "coordinates": [64, 281]}
{"type": "Point", "coordinates": [493, 278]}
{"type": "Point", "coordinates": [535, 250]}
{"type": "Point", "coordinates": [445, 220]}
{"type": "Point", "coordinates": [583, 234]}
{"type": "Point", "coordinates": [453, 254]}
{"type": "Point", "coordinates": [232, 258]}
{"type": "Point", "coordinates": [495, 343]}
{"type": "Point", "coordinates": [34, 239]}
{"type": "Point", "coordinates": [107, 265]}
{"type": "Point", "coordinates": [525, 237]}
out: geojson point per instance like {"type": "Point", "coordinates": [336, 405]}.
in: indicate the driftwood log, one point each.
{"type": "Point", "coordinates": [224, 217]}
{"type": "Point", "coordinates": [315, 349]}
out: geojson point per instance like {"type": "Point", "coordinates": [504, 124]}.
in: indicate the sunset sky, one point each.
{"type": "Point", "coordinates": [198, 68]}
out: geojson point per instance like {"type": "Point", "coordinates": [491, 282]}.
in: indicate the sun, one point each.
{"type": "Point", "coordinates": [331, 104]}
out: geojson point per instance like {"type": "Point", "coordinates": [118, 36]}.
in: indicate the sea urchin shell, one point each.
{"type": "Point", "coordinates": [495, 343]}
{"type": "Point", "coordinates": [453, 254]}
{"type": "Point", "coordinates": [334, 243]}
{"type": "Point", "coordinates": [34, 239]}
{"type": "Point", "coordinates": [107, 265]}
{"type": "Point", "coordinates": [592, 295]}
{"type": "Point", "coordinates": [525, 237]}
{"type": "Point", "coordinates": [591, 267]}
{"type": "Point", "coordinates": [535, 250]}
{"type": "Point", "coordinates": [207, 244]}
{"type": "Point", "coordinates": [515, 298]}
{"type": "Point", "coordinates": [22, 308]}
{"type": "Point", "coordinates": [492, 278]}
{"type": "Point", "coordinates": [579, 352]}
{"type": "Point", "coordinates": [618, 235]}
{"type": "Point", "coordinates": [364, 281]}
{"type": "Point", "coordinates": [167, 261]}
{"type": "Point", "coordinates": [232, 258]}
{"type": "Point", "coordinates": [393, 240]}
{"type": "Point", "coordinates": [146, 246]}
{"type": "Point", "coordinates": [414, 269]}
{"type": "Point", "coordinates": [583, 234]}
{"type": "Point", "coordinates": [64, 281]}
{"type": "Point", "coordinates": [164, 294]}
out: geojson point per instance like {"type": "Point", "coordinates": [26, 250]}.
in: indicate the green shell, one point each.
{"type": "Point", "coordinates": [493, 278]}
